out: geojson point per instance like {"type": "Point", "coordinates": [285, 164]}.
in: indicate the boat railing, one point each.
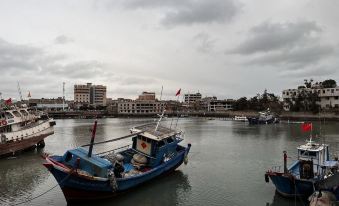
{"type": "Point", "coordinates": [115, 150]}
{"type": "Point", "coordinates": [276, 168]}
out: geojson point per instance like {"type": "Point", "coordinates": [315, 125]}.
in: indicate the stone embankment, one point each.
{"type": "Point", "coordinates": [292, 116]}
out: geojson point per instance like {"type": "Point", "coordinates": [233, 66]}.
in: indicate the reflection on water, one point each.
{"type": "Point", "coordinates": [278, 200]}
{"type": "Point", "coordinates": [172, 188]}
{"type": "Point", "coordinates": [226, 164]}
{"type": "Point", "coordinates": [20, 176]}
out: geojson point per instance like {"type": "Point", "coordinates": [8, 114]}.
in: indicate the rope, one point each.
{"type": "Point", "coordinates": [20, 203]}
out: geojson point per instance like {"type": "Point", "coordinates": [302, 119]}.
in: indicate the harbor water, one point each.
{"type": "Point", "coordinates": [226, 164]}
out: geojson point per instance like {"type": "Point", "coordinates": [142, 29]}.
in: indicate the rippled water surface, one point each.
{"type": "Point", "coordinates": [226, 164]}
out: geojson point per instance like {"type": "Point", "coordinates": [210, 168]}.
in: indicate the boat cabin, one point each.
{"type": "Point", "coordinates": [312, 157]}
{"type": "Point", "coordinates": [156, 144]}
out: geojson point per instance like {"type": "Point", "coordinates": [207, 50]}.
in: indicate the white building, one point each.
{"type": "Point", "coordinates": [220, 105]}
{"type": "Point", "coordinates": [329, 97]}
{"type": "Point", "coordinates": [90, 94]}
{"type": "Point", "coordinates": [145, 104]}
{"type": "Point", "coordinates": [190, 98]}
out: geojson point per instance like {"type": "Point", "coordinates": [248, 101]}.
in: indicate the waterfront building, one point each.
{"type": "Point", "coordinates": [48, 104]}
{"type": "Point", "coordinates": [215, 105]}
{"type": "Point", "coordinates": [190, 98]}
{"type": "Point", "coordinates": [329, 97]}
{"type": "Point", "coordinates": [146, 103]}
{"type": "Point", "coordinates": [90, 94]}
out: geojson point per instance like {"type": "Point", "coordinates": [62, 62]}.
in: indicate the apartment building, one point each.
{"type": "Point", "coordinates": [190, 98]}
{"type": "Point", "coordinates": [329, 97]}
{"type": "Point", "coordinates": [220, 105]}
{"type": "Point", "coordinates": [90, 94]}
{"type": "Point", "coordinates": [144, 104]}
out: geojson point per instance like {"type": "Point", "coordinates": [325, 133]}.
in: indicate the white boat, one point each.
{"type": "Point", "coordinates": [240, 118]}
{"type": "Point", "coordinates": [22, 128]}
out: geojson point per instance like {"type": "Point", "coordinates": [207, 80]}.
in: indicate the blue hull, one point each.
{"type": "Point", "coordinates": [289, 187]}
{"type": "Point", "coordinates": [76, 188]}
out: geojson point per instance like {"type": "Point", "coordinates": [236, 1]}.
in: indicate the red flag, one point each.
{"type": "Point", "coordinates": [305, 127]}
{"type": "Point", "coordinates": [8, 101]}
{"type": "Point", "coordinates": [178, 92]}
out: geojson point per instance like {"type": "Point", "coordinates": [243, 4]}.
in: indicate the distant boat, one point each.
{"type": "Point", "coordinates": [307, 173]}
{"type": "Point", "coordinates": [265, 117]}
{"type": "Point", "coordinates": [240, 118]}
{"type": "Point", "coordinates": [22, 128]}
{"type": "Point", "coordinates": [85, 176]}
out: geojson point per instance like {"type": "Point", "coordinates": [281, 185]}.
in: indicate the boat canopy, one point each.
{"type": "Point", "coordinates": [93, 165]}
{"type": "Point", "coordinates": [149, 131]}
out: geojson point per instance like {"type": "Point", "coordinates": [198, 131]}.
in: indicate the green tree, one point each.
{"type": "Point", "coordinates": [329, 83]}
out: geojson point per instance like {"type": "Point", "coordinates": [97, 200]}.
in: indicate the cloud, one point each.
{"type": "Point", "coordinates": [284, 45]}
{"type": "Point", "coordinates": [204, 41]}
{"type": "Point", "coordinates": [190, 12]}
{"type": "Point", "coordinates": [62, 39]}
{"type": "Point", "coordinates": [268, 37]}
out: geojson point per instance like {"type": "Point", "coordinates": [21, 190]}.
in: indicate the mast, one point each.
{"type": "Point", "coordinates": [92, 139]}
{"type": "Point", "coordinates": [161, 116]}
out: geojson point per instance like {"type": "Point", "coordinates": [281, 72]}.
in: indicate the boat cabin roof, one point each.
{"type": "Point", "coordinates": [311, 146]}
{"type": "Point", "coordinates": [82, 154]}
{"type": "Point", "coordinates": [149, 131]}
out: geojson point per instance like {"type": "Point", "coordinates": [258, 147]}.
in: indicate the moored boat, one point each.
{"type": "Point", "coordinates": [22, 128]}
{"type": "Point", "coordinates": [82, 175]}
{"type": "Point", "coordinates": [240, 118]}
{"type": "Point", "coordinates": [304, 175]}
{"type": "Point", "coordinates": [265, 117]}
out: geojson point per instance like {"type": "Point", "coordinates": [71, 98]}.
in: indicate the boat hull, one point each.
{"type": "Point", "coordinates": [288, 186]}
{"type": "Point", "coordinates": [253, 120]}
{"type": "Point", "coordinates": [10, 148]}
{"type": "Point", "coordinates": [77, 188]}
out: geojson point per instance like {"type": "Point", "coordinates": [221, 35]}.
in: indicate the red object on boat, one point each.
{"type": "Point", "coordinates": [306, 127]}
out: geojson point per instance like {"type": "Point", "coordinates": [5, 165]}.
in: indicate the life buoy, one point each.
{"type": "Point", "coordinates": [4, 122]}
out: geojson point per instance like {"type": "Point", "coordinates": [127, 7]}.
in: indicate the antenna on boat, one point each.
{"type": "Point", "coordinates": [161, 116]}
{"type": "Point", "coordinates": [92, 139]}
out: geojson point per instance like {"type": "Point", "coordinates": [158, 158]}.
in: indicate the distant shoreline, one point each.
{"type": "Point", "coordinates": [293, 116]}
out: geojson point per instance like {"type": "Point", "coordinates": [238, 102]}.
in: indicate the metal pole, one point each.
{"type": "Point", "coordinates": [92, 139]}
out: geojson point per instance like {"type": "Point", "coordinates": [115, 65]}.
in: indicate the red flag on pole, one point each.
{"type": "Point", "coordinates": [8, 101]}
{"type": "Point", "coordinates": [305, 127]}
{"type": "Point", "coordinates": [178, 92]}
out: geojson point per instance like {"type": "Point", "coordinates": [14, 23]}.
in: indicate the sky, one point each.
{"type": "Point", "coordinates": [223, 48]}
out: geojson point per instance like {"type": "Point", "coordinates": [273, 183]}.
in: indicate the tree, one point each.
{"type": "Point", "coordinates": [329, 83]}
{"type": "Point", "coordinates": [241, 104]}
{"type": "Point", "coordinates": [307, 83]}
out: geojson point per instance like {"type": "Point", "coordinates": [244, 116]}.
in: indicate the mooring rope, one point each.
{"type": "Point", "coordinates": [19, 203]}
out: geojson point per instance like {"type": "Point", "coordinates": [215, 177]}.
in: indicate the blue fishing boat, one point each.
{"type": "Point", "coordinates": [304, 176]}
{"type": "Point", "coordinates": [85, 176]}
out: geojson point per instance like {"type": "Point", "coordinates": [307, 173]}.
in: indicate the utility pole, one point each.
{"type": "Point", "coordinates": [19, 90]}
{"type": "Point", "coordinates": [63, 96]}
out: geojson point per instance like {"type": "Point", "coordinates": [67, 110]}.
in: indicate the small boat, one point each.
{"type": "Point", "coordinates": [85, 176]}
{"type": "Point", "coordinates": [302, 178]}
{"type": "Point", "coordinates": [240, 118]}
{"type": "Point", "coordinates": [265, 117]}
{"type": "Point", "coordinates": [22, 128]}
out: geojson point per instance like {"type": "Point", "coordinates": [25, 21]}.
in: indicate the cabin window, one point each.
{"type": "Point", "coordinates": [143, 138]}
{"type": "Point", "coordinates": [9, 115]}
{"type": "Point", "coordinates": [148, 140]}
{"type": "Point", "coordinates": [23, 112]}
{"type": "Point", "coordinates": [16, 113]}
{"type": "Point", "coordinates": [308, 153]}
{"type": "Point", "coordinates": [161, 143]}
{"type": "Point", "coordinates": [170, 140]}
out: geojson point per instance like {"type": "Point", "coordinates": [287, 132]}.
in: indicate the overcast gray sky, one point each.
{"type": "Point", "coordinates": [226, 48]}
